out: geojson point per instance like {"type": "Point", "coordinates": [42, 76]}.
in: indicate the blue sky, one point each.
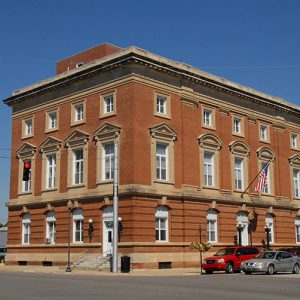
{"type": "Point", "coordinates": [255, 43]}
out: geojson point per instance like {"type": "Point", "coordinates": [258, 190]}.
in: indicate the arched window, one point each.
{"type": "Point", "coordinates": [239, 155]}
{"type": "Point", "coordinates": [266, 158]}
{"type": "Point", "coordinates": [209, 160]}
{"type": "Point", "coordinates": [78, 225]}
{"type": "Point", "coordinates": [270, 224]}
{"type": "Point", "coordinates": [212, 226]}
{"type": "Point", "coordinates": [26, 221]}
{"type": "Point", "coordinates": [50, 228]}
{"type": "Point", "coordinates": [161, 224]}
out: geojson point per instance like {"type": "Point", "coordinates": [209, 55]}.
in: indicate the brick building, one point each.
{"type": "Point", "coordinates": [189, 145]}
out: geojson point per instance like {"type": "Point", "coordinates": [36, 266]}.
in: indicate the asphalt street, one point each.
{"type": "Point", "coordinates": [22, 285]}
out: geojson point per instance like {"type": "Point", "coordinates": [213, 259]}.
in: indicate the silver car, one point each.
{"type": "Point", "coordinates": [271, 262]}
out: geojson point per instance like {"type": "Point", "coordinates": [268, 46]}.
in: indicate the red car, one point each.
{"type": "Point", "coordinates": [229, 259]}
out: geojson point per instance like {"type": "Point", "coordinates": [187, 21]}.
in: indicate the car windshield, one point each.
{"type": "Point", "coordinates": [225, 251]}
{"type": "Point", "coordinates": [289, 250]}
{"type": "Point", "coordinates": [267, 255]}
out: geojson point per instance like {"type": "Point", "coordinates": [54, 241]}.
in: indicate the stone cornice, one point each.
{"type": "Point", "coordinates": [149, 60]}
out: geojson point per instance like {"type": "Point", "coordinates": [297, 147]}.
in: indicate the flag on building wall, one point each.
{"type": "Point", "coordinates": [262, 181]}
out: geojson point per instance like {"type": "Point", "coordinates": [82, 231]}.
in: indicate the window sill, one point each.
{"type": "Point", "coordinates": [210, 187]}
{"type": "Point", "coordinates": [75, 186]}
{"type": "Point", "coordinates": [238, 134]}
{"type": "Point", "coordinates": [161, 242]}
{"type": "Point", "coordinates": [295, 149]}
{"type": "Point", "coordinates": [24, 137]}
{"type": "Point", "coordinates": [48, 130]}
{"type": "Point", "coordinates": [77, 123]}
{"type": "Point", "coordinates": [105, 182]}
{"type": "Point", "coordinates": [265, 141]}
{"type": "Point", "coordinates": [24, 193]}
{"type": "Point", "coordinates": [107, 115]}
{"type": "Point", "coordinates": [165, 116]}
{"type": "Point", "coordinates": [210, 127]}
{"type": "Point", "coordinates": [163, 182]}
{"type": "Point", "coordinates": [49, 190]}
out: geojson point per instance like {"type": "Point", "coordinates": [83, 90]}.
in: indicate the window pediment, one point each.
{"type": "Point", "coordinates": [210, 141]}
{"type": "Point", "coordinates": [239, 148]}
{"type": "Point", "coordinates": [295, 160]}
{"type": "Point", "coordinates": [265, 153]}
{"type": "Point", "coordinates": [76, 138]}
{"type": "Point", "coordinates": [26, 150]}
{"type": "Point", "coordinates": [50, 144]}
{"type": "Point", "coordinates": [163, 131]}
{"type": "Point", "coordinates": [107, 131]}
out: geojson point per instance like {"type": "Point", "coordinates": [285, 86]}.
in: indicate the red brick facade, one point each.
{"type": "Point", "coordinates": [135, 84]}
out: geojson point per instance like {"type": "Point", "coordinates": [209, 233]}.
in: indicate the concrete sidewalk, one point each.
{"type": "Point", "coordinates": [135, 272]}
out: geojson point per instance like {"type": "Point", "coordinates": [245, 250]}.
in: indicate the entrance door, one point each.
{"type": "Point", "coordinates": [245, 234]}
{"type": "Point", "coordinates": [107, 237]}
{"type": "Point", "coordinates": [242, 220]}
{"type": "Point", "coordinates": [107, 233]}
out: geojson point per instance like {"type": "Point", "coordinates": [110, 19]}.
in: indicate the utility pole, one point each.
{"type": "Point", "coordinates": [115, 210]}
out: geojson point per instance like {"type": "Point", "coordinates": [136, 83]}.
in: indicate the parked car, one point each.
{"type": "Point", "coordinates": [295, 251]}
{"type": "Point", "coordinates": [229, 259]}
{"type": "Point", "coordinates": [271, 262]}
{"type": "Point", "coordinates": [2, 254]}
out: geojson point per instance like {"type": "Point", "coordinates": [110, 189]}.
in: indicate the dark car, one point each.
{"type": "Point", "coordinates": [2, 254]}
{"type": "Point", "coordinates": [229, 259]}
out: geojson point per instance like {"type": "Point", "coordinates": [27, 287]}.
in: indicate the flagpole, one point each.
{"type": "Point", "coordinates": [255, 178]}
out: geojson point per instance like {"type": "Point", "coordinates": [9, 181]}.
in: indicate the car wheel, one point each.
{"type": "Point", "coordinates": [208, 271]}
{"type": "Point", "coordinates": [248, 272]}
{"type": "Point", "coordinates": [270, 270]}
{"type": "Point", "coordinates": [296, 269]}
{"type": "Point", "coordinates": [229, 268]}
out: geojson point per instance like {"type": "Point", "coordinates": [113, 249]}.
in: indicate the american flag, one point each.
{"type": "Point", "coordinates": [262, 178]}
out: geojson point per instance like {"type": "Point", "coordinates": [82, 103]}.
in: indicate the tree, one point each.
{"type": "Point", "coordinates": [201, 247]}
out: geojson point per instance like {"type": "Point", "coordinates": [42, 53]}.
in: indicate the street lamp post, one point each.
{"type": "Point", "coordinates": [268, 230]}
{"type": "Point", "coordinates": [69, 204]}
{"type": "Point", "coordinates": [91, 229]}
{"type": "Point", "coordinates": [240, 228]}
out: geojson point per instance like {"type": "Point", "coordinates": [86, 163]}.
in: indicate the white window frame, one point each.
{"type": "Point", "coordinates": [80, 165]}
{"type": "Point", "coordinates": [237, 125]}
{"type": "Point", "coordinates": [78, 114]}
{"type": "Point", "coordinates": [52, 122]}
{"type": "Point", "coordinates": [294, 141]}
{"type": "Point", "coordinates": [78, 218]}
{"type": "Point", "coordinates": [161, 218]}
{"type": "Point", "coordinates": [263, 132]}
{"type": "Point", "coordinates": [297, 229]}
{"type": "Point", "coordinates": [161, 104]}
{"type": "Point", "coordinates": [212, 226]}
{"type": "Point", "coordinates": [296, 182]}
{"type": "Point", "coordinates": [26, 222]}
{"type": "Point", "coordinates": [270, 223]}
{"type": "Point", "coordinates": [108, 103]}
{"type": "Point", "coordinates": [160, 158]}
{"type": "Point", "coordinates": [207, 117]}
{"type": "Point", "coordinates": [28, 127]}
{"type": "Point", "coordinates": [51, 171]}
{"type": "Point", "coordinates": [239, 174]}
{"type": "Point", "coordinates": [51, 227]}
{"type": "Point", "coordinates": [209, 165]}
{"type": "Point", "coordinates": [108, 159]}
